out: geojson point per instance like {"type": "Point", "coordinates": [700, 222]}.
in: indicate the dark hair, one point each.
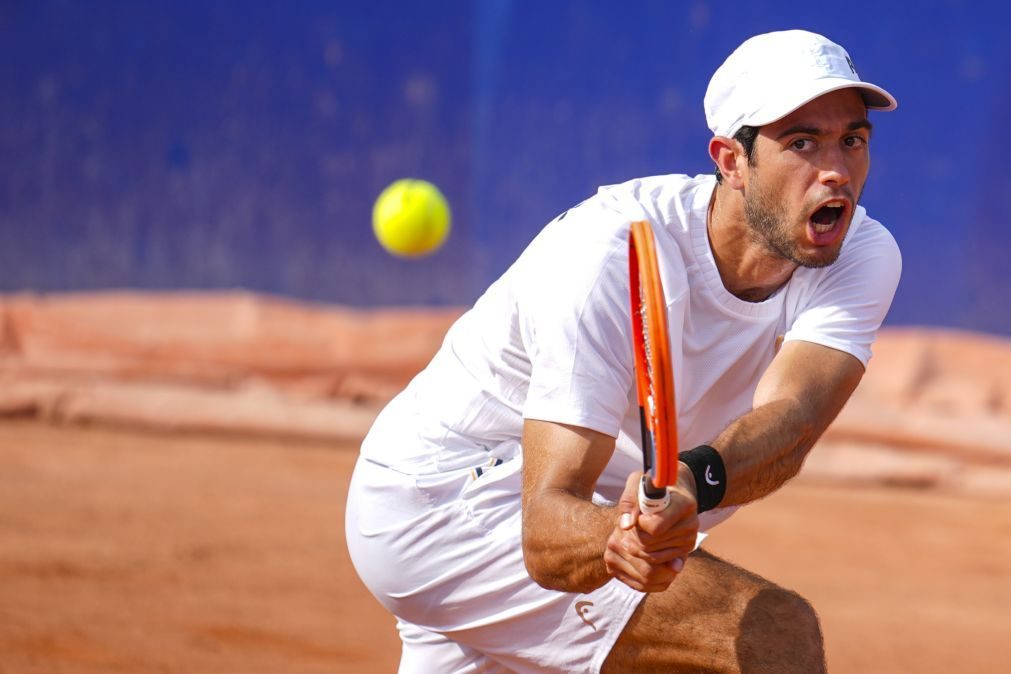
{"type": "Point", "coordinates": [746, 136]}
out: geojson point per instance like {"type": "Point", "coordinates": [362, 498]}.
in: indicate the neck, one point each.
{"type": "Point", "coordinates": [748, 269]}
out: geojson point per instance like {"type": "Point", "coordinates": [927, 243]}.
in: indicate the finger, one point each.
{"type": "Point", "coordinates": [632, 571]}
{"type": "Point", "coordinates": [661, 557]}
{"type": "Point", "coordinates": [669, 539]}
{"type": "Point", "coordinates": [665, 539]}
{"type": "Point", "coordinates": [665, 554]}
{"type": "Point", "coordinates": [654, 551]}
{"type": "Point", "coordinates": [628, 504]}
{"type": "Point", "coordinates": [658, 579]}
{"type": "Point", "coordinates": [651, 544]}
{"type": "Point", "coordinates": [679, 514]}
{"type": "Point", "coordinates": [629, 545]}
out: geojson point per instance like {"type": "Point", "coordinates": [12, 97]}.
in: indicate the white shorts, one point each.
{"type": "Point", "coordinates": [442, 552]}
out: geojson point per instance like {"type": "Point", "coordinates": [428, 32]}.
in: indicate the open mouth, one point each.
{"type": "Point", "coordinates": [825, 223]}
{"type": "Point", "coordinates": [826, 217]}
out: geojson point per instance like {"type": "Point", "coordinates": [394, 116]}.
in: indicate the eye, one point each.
{"type": "Point", "coordinates": [855, 141]}
{"type": "Point", "coordinates": [801, 144]}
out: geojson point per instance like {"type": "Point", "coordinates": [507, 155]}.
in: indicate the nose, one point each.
{"type": "Point", "coordinates": [834, 171]}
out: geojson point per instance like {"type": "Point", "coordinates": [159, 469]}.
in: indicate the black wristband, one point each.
{"type": "Point", "coordinates": [710, 474]}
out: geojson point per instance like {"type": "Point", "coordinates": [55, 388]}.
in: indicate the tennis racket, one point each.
{"type": "Point", "coordinates": [653, 370]}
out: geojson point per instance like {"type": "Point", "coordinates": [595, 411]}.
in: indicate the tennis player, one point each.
{"type": "Point", "coordinates": [493, 509]}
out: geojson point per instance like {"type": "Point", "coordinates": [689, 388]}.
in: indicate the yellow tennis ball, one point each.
{"type": "Point", "coordinates": [411, 218]}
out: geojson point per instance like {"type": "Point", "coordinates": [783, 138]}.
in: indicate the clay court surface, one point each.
{"type": "Point", "coordinates": [126, 551]}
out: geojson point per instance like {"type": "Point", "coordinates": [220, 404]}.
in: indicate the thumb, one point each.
{"type": "Point", "coordinates": [628, 504]}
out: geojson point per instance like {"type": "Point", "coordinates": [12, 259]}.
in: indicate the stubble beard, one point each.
{"type": "Point", "coordinates": [770, 227]}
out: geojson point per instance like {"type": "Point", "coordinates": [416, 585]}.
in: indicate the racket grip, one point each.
{"type": "Point", "coordinates": [652, 499]}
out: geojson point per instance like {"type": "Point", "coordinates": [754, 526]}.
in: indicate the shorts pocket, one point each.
{"type": "Point", "coordinates": [494, 497]}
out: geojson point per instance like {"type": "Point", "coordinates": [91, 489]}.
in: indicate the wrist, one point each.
{"type": "Point", "coordinates": [709, 473]}
{"type": "Point", "coordinates": [686, 480]}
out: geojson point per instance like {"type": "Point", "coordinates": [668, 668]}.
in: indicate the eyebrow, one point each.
{"type": "Point", "coordinates": [861, 124]}
{"type": "Point", "coordinates": [815, 131]}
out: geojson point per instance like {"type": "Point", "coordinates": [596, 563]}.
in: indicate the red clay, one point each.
{"type": "Point", "coordinates": [133, 552]}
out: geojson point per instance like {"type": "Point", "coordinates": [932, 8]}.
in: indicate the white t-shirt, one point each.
{"type": "Point", "coordinates": [551, 339]}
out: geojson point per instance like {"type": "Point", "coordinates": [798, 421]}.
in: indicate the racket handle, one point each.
{"type": "Point", "coordinates": [652, 499]}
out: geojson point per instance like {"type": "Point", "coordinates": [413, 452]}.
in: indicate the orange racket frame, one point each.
{"type": "Point", "coordinates": [653, 367]}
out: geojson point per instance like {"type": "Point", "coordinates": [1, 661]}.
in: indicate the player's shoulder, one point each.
{"type": "Point", "coordinates": [660, 199]}
{"type": "Point", "coordinates": [664, 199]}
{"type": "Point", "coordinates": [596, 229]}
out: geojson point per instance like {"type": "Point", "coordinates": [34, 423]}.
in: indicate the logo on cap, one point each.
{"type": "Point", "coordinates": [849, 62]}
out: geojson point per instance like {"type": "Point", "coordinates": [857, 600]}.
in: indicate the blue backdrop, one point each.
{"type": "Point", "coordinates": [241, 144]}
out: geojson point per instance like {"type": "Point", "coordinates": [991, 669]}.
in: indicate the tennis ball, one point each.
{"type": "Point", "coordinates": [411, 218]}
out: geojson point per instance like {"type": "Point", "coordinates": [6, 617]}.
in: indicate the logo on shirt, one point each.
{"type": "Point", "coordinates": [582, 609]}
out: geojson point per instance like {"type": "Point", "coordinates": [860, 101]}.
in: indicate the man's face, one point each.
{"type": "Point", "coordinates": [807, 173]}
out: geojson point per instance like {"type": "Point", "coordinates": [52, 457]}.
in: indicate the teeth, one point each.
{"type": "Point", "coordinates": [840, 206]}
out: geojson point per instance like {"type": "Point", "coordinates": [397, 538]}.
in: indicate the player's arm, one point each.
{"type": "Point", "coordinates": [564, 533]}
{"type": "Point", "coordinates": [572, 545]}
{"type": "Point", "coordinates": [799, 395]}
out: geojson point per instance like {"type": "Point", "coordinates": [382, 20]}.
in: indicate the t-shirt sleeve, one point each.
{"type": "Point", "coordinates": [850, 301]}
{"type": "Point", "coordinates": [575, 325]}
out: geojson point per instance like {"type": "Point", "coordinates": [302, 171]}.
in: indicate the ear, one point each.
{"type": "Point", "coordinates": [729, 157]}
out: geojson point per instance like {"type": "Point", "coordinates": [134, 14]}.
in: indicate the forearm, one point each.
{"type": "Point", "coordinates": [764, 448]}
{"type": "Point", "coordinates": [572, 545]}
{"type": "Point", "coordinates": [797, 398]}
{"type": "Point", "coordinates": [564, 538]}
{"type": "Point", "coordinates": [564, 533]}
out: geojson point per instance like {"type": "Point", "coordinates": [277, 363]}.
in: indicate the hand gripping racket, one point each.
{"type": "Point", "coordinates": [653, 370]}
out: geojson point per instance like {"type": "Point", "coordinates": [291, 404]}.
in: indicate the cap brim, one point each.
{"type": "Point", "coordinates": [874, 96]}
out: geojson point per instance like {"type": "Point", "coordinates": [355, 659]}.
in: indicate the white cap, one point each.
{"type": "Point", "coordinates": [771, 75]}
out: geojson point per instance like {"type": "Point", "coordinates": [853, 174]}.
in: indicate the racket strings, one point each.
{"type": "Point", "coordinates": [650, 373]}
{"type": "Point", "coordinates": [652, 423]}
